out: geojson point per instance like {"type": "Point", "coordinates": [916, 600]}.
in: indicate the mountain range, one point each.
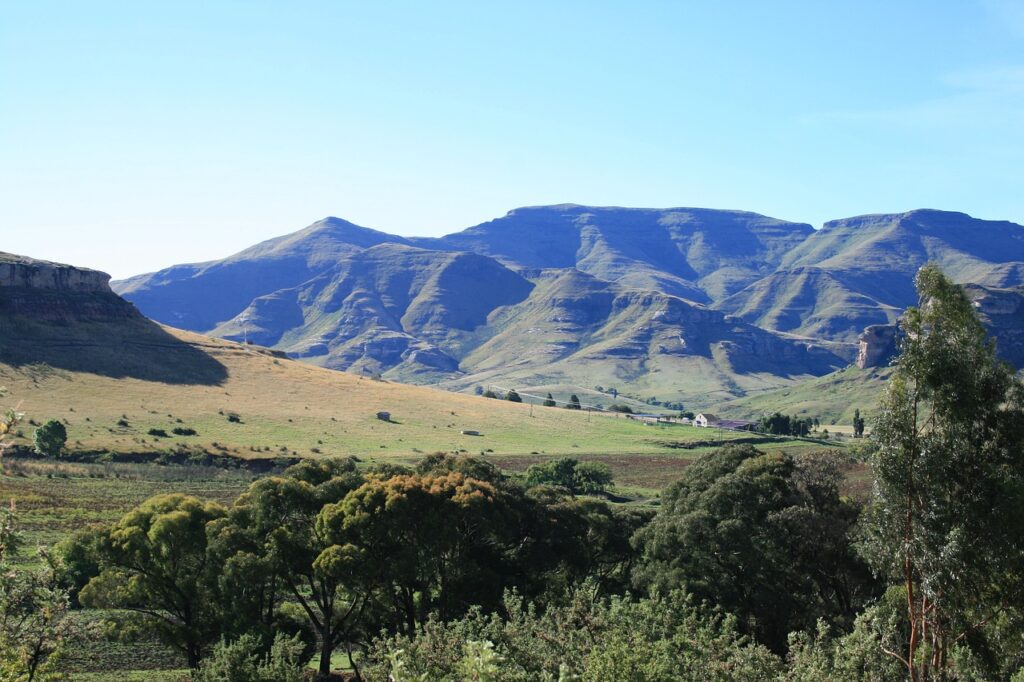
{"type": "Point", "coordinates": [681, 304]}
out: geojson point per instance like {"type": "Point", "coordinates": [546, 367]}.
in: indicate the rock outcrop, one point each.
{"type": "Point", "coordinates": [877, 346]}
{"type": "Point", "coordinates": [20, 271]}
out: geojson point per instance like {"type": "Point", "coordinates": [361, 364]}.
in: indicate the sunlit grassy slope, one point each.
{"type": "Point", "coordinates": [287, 406]}
{"type": "Point", "coordinates": [831, 398]}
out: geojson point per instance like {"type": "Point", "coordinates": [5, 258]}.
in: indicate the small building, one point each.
{"type": "Point", "coordinates": [384, 416]}
{"type": "Point", "coordinates": [705, 419]}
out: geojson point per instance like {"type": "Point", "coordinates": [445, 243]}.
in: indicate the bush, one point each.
{"type": "Point", "coordinates": [240, 661]}
{"type": "Point", "coordinates": [624, 409]}
{"type": "Point", "coordinates": [158, 433]}
{"type": "Point", "coordinates": [235, 419]}
{"type": "Point", "coordinates": [183, 431]}
{"type": "Point", "coordinates": [50, 438]}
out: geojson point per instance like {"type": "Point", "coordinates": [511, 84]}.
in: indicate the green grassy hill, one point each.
{"type": "Point", "coordinates": [832, 398]}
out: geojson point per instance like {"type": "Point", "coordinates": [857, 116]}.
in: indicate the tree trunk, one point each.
{"type": "Point", "coordinates": [326, 649]}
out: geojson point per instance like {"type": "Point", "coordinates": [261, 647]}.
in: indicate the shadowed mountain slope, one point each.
{"type": "Point", "coordinates": [68, 318]}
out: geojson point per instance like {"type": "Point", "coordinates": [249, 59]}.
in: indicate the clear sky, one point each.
{"type": "Point", "coordinates": [138, 134]}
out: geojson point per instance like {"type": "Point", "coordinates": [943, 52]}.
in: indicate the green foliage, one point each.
{"type": "Point", "coordinates": [579, 478]}
{"type": "Point", "coordinates": [549, 401]}
{"type": "Point", "coordinates": [33, 611]}
{"type": "Point", "coordinates": [858, 424]}
{"type": "Point", "coordinates": [513, 397]}
{"type": "Point", "coordinates": [762, 536]}
{"type": "Point", "coordinates": [785, 425]}
{"type": "Point", "coordinates": [239, 661]}
{"type": "Point", "coordinates": [50, 438]}
{"type": "Point", "coordinates": [574, 402]}
{"type": "Point", "coordinates": [668, 638]}
{"type": "Point", "coordinates": [154, 561]}
{"type": "Point", "coordinates": [624, 409]}
{"type": "Point", "coordinates": [948, 502]}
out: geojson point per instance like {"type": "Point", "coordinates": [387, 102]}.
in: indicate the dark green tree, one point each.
{"type": "Point", "coordinates": [423, 543]}
{"type": "Point", "coordinates": [50, 438]}
{"type": "Point", "coordinates": [579, 478]}
{"type": "Point", "coordinates": [512, 396]}
{"type": "Point", "coordinates": [947, 516]}
{"type": "Point", "coordinates": [272, 534]}
{"type": "Point", "coordinates": [549, 401]}
{"type": "Point", "coordinates": [762, 536]}
{"type": "Point", "coordinates": [858, 424]}
{"type": "Point", "coordinates": [574, 402]}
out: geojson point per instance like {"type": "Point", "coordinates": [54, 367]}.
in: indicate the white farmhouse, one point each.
{"type": "Point", "coordinates": [705, 419]}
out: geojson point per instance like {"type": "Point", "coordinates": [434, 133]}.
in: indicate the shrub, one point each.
{"type": "Point", "coordinates": [50, 438]}
{"type": "Point", "coordinates": [157, 433]}
{"type": "Point", "coordinates": [624, 409]}
{"type": "Point", "coordinates": [240, 661]}
{"type": "Point", "coordinates": [235, 419]}
{"type": "Point", "coordinates": [183, 431]}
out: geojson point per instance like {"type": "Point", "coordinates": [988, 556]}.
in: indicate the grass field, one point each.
{"type": "Point", "coordinates": [287, 407]}
{"type": "Point", "coordinates": [832, 398]}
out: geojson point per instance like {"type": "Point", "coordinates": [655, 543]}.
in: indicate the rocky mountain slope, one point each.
{"type": "Point", "coordinates": [550, 297]}
{"type": "Point", "coordinates": [859, 271]}
{"type": "Point", "coordinates": [692, 304]}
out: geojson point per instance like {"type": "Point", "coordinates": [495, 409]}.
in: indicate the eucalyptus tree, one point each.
{"type": "Point", "coordinates": [947, 518]}
{"type": "Point", "coordinates": [273, 530]}
{"type": "Point", "coordinates": [154, 561]}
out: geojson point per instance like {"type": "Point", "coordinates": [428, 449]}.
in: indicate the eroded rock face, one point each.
{"type": "Point", "coordinates": [1002, 313]}
{"type": "Point", "coordinates": [877, 345]}
{"type": "Point", "coordinates": [19, 271]}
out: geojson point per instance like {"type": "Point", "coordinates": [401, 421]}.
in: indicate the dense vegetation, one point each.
{"type": "Point", "coordinates": [755, 566]}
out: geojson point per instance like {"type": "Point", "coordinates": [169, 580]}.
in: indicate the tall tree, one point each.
{"type": "Point", "coordinates": [277, 516]}
{"type": "Point", "coordinates": [763, 536]}
{"type": "Point", "coordinates": [947, 519]}
{"type": "Point", "coordinates": [549, 401]}
{"type": "Point", "coordinates": [574, 402]}
{"type": "Point", "coordinates": [155, 561]}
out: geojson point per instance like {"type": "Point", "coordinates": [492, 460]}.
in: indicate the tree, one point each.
{"type": "Point", "coordinates": [574, 402]}
{"type": "Point", "coordinates": [422, 543]}
{"type": "Point", "coordinates": [549, 401]}
{"type": "Point", "coordinates": [765, 537]}
{"type": "Point", "coordinates": [624, 409]}
{"type": "Point", "coordinates": [512, 396]}
{"type": "Point", "coordinates": [858, 424]}
{"type": "Point", "coordinates": [33, 610]}
{"type": "Point", "coordinates": [50, 438]}
{"type": "Point", "coordinates": [154, 561]}
{"type": "Point", "coordinates": [273, 534]}
{"type": "Point", "coordinates": [569, 473]}
{"type": "Point", "coordinates": [948, 509]}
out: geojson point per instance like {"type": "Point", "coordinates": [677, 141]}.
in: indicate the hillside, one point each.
{"type": "Point", "coordinates": [557, 298]}
{"type": "Point", "coordinates": [831, 398]}
{"type": "Point", "coordinates": [71, 349]}
{"type": "Point", "coordinates": [859, 271]}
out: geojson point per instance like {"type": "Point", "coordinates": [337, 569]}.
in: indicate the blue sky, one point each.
{"type": "Point", "coordinates": [134, 135]}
